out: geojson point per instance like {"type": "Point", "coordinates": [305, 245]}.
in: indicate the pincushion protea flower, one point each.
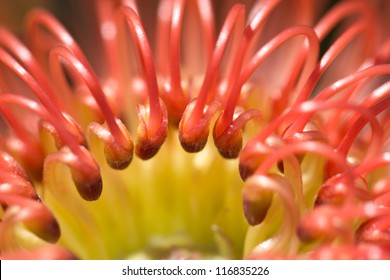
{"type": "Point", "coordinates": [211, 92]}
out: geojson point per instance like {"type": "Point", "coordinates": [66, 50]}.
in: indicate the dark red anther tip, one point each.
{"type": "Point", "coordinates": [89, 190]}
{"type": "Point", "coordinates": [245, 170]}
{"type": "Point", "coordinates": [194, 125]}
{"type": "Point", "coordinates": [147, 147]}
{"type": "Point", "coordinates": [150, 138]}
{"type": "Point", "coordinates": [118, 163]}
{"type": "Point", "coordinates": [195, 140]}
{"type": "Point", "coordinates": [47, 229]}
{"type": "Point", "coordinates": [117, 156]}
{"type": "Point", "coordinates": [255, 153]}
{"type": "Point", "coordinates": [256, 202]}
{"type": "Point", "coordinates": [229, 144]}
{"type": "Point", "coordinates": [227, 133]}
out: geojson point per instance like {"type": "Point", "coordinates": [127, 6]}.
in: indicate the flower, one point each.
{"type": "Point", "coordinates": [218, 130]}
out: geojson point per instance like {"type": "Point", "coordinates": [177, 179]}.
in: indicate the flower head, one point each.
{"type": "Point", "coordinates": [217, 130]}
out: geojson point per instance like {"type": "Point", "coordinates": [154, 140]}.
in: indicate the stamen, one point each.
{"type": "Point", "coordinates": [68, 131]}
{"type": "Point", "coordinates": [248, 165]}
{"type": "Point", "coordinates": [372, 164]}
{"type": "Point", "coordinates": [45, 32]}
{"type": "Point", "coordinates": [331, 54]}
{"type": "Point", "coordinates": [225, 119]}
{"type": "Point", "coordinates": [16, 185]}
{"type": "Point", "coordinates": [14, 47]}
{"type": "Point", "coordinates": [366, 115]}
{"type": "Point", "coordinates": [117, 155]}
{"type": "Point", "coordinates": [311, 47]}
{"type": "Point", "coordinates": [85, 170]}
{"type": "Point", "coordinates": [32, 83]}
{"type": "Point", "coordinates": [23, 145]}
{"type": "Point", "coordinates": [337, 87]}
{"type": "Point", "coordinates": [346, 179]}
{"type": "Point", "coordinates": [255, 153]}
{"type": "Point", "coordinates": [358, 124]}
{"type": "Point", "coordinates": [194, 125]}
{"type": "Point", "coordinates": [352, 79]}
{"type": "Point", "coordinates": [34, 215]}
{"type": "Point", "coordinates": [250, 33]}
{"type": "Point", "coordinates": [208, 25]}
{"type": "Point", "coordinates": [11, 166]}
{"type": "Point", "coordinates": [131, 4]}
{"type": "Point", "coordinates": [306, 147]}
{"type": "Point", "coordinates": [108, 32]}
{"type": "Point", "coordinates": [40, 20]}
{"type": "Point", "coordinates": [315, 172]}
{"type": "Point", "coordinates": [260, 188]}
{"type": "Point", "coordinates": [175, 98]}
{"type": "Point", "coordinates": [13, 178]}
{"type": "Point", "coordinates": [86, 173]}
{"type": "Point", "coordinates": [153, 128]}
{"type": "Point", "coordinates": [257, 197]}
{"type": "Point", "coordinates": [341, 11]}
{"type": "Point", "coordinates": [163, 29]}
{"type": "Point", "coordinates": [120, 136]}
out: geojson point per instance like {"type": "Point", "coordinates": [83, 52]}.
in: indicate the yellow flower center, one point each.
{"type": "Point", "coordinates": [175, 205]}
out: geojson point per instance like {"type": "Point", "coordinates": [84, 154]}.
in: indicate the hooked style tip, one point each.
{"type": "Point", "coordinates": [229, 144]}
{"type": "Point", "coordinates": [194, 126]}
{"type": "Point", "coordinates": [245, 170]}
{"type": "Point", "coordinates": [147, 147]}
{"type": "Point", "coordinates": [118, 160]}
{"type": "Point", "coordinates": [150, 138]}
{"type": "Point", "coordinates": [255, 153]}
{"type": "Point", "coordinates": [118, 154]}
{"type": "Point", "coordinates": [193, 144]}
{"type": "Point", "coordinates": [29, 154]}
{"type": "Point", "coordinates": [195, 140]}
{"type": "Point", "coordinates": [228, 133]}
{"type": "Point", "coordinates": [87, 179]}
{"type": "Point", "coordinates": [48, 230]}
{"type": "Point", "coordinates": [256, 203]}
{"type": "Point", "coordinates": [72, 126]}
{"type": "Point", "coordinates": [90, 190]}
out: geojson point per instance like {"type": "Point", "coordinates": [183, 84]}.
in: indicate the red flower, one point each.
{"type": "Point", "coordinates": [106, 149]}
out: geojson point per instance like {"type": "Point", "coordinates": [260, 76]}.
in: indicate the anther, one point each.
{"type": "Point", "coordinates": [194, 124]}
{"type": "Point", "coordinates": [84, 169]}
{"type": "Point", "coordinates": [149, 141]}
{"type": "Point", "coordinates": [153, 127]}
{"type": "Point", "coordinates": [258, 193]}
{"type": "Point", "coordinates": [256, 202]}
{"type": "Point", "coordinates": [33, 214]}
{"type": "Point", "coordinates": [193, 137]}
{"type": "Point", "coordinates": [229, 140]}
{"type": "Point", "coordinates": [117, 156]}
{"type": "Point", "coordinates": [255, 153]}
